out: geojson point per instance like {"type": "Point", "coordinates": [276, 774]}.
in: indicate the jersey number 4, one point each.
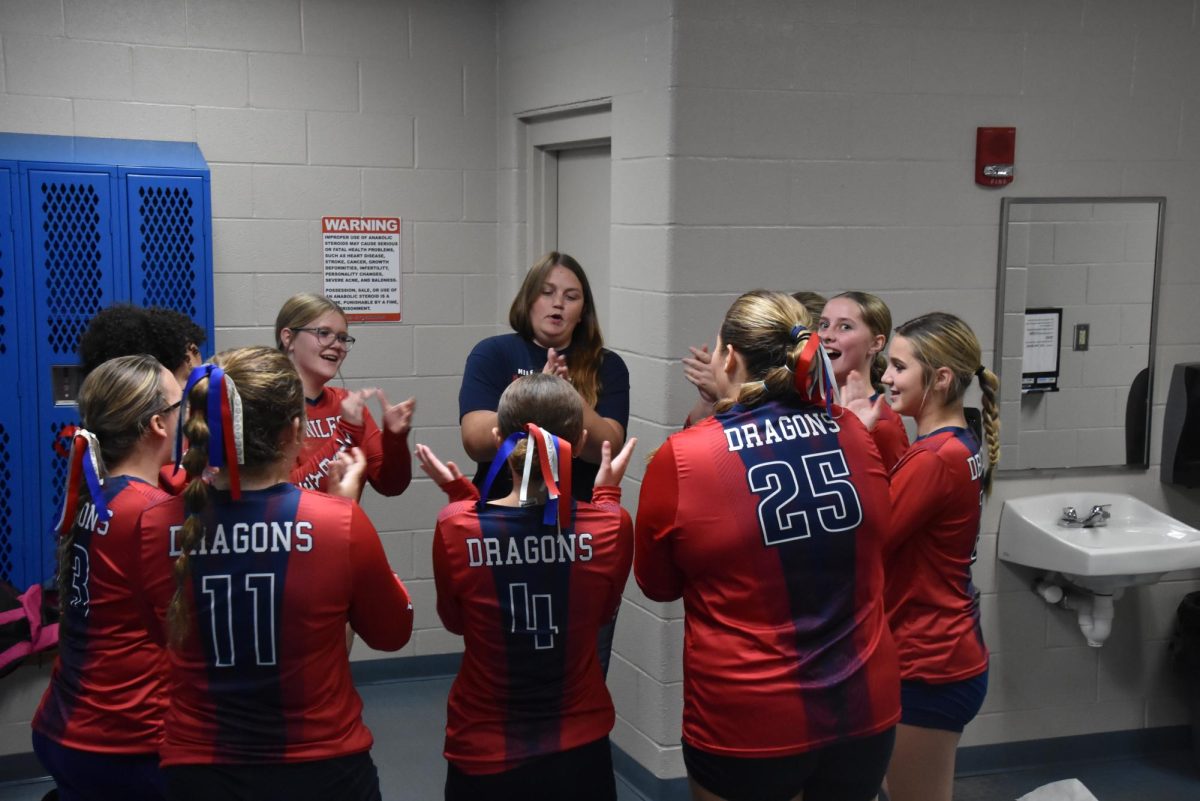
{"type": "Point", "coordinates": [532, 614]}
{"type": "Point", "coordinates": [259, 595]}
{"type": "Point", "coordinates": [786, 501]}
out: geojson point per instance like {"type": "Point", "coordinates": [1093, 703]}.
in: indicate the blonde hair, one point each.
{"type": "Point", "coordinates": [587, 344]}
{"type": "Point", "coordinates": [878, 318]}
{"type": "Point", "coordinates": [762, 327]}
{"type": "Point", "coordinates": [272, 397]}
{"type": "Point", "coordinates": [940, 339]}
{"type": "Point", "coordinates": [300, 310]}
{"type": "Point", "coordinates": [116, 403]}
{"type": "Point", "coordinates": [813, 302]}
{"type": "Point", "coordinates": [547, 401]}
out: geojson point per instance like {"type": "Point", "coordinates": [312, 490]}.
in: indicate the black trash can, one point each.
{"type": "Point", "coordinates": [1185, 654]}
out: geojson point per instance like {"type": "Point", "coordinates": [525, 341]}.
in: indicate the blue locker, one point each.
{"type": "Point", "coordinates": [93, 222]}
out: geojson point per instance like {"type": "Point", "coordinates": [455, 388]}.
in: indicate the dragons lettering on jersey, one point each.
{"type": "Point", "coordinates": [784, 428]}
{"type": "Point", "coordinates": [88, 519]}
{"type": "Point", "coordinates": [260, 537]}
{"type": "Point", "coordinates": [529, 550]}
{"type": "Point", "coordinates": [975, 463]}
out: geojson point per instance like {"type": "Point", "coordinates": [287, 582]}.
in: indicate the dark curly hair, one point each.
{"type": "Point", "coordinates": [125, 330]}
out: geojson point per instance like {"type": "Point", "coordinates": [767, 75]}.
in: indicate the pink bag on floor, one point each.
{"type": "Point", "coordinates": [27, 625]}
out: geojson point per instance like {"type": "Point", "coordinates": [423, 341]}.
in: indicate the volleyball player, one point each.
{"type": "Point", "coordinates": [854, 329]}
{"type": "Point", "coordinates": [766, 520]}
{"type": "Point", "coordinates": [251, 581]}
{"type": "Point", "coordinates": [98, 725]}
{"type": "Point", "coordinates": [312, 331]}
{"type": "Point", "coordinates": [937, 492]}
{"type": "Point", "coordinates": [528, 580]}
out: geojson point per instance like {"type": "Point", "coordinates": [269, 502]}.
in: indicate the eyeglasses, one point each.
{"type": "Point", "coordinates": [326, 336]}
{"type": "Point", "coordinates": [171, 408]}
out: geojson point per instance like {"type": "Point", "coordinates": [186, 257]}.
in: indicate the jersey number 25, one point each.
{"type": "Point", "coordinates": [785, 500]}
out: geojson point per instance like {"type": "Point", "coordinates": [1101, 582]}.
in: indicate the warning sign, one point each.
{"type": "Point", "coordinates": [362, 266]}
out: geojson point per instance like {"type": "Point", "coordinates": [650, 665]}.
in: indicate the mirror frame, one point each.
{"type": "Point", "coordinates": [1006, 204]}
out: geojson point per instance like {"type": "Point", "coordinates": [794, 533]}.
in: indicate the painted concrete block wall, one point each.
{"type": "Point", "coordinates": [303, 108]}
{"type": "Point", "coordinates": [830, 146]}
{"type": "Point", "coordinates": [554, 55]}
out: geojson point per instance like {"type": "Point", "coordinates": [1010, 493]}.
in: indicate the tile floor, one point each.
{"type": "Point", "coordinates": [407, 718]}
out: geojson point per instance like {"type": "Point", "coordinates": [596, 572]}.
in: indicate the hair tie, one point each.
{"type": "Point", "coordinates": [797, 330]}
{"type": "Point", "coordinates": [227, 446]}
{"type": "Point", "coordinates": [554, 461]}
{"type": "Point", "coordinates": [979, 371]}
{"type": "Point", "coordinates": [84, 461]}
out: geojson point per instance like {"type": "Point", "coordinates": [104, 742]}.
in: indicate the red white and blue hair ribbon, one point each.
{"type": "Point", "coordinates": [223, 413]}
{"type": "Point", "coordinates": [824, 388]}
{"type": "Point", "coordinates": [554, 460]}
{"type": "Point", "coordinates": [83, 462]}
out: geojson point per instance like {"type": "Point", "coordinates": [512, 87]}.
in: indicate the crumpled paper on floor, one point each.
{"type": "Point", "coordinates": [1065, 790]}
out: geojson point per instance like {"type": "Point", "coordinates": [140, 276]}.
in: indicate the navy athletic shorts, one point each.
{"type": "Point", "coordinates": [851, 770]}
{"type": "Point", "coordinates": [949, 706]}
{"type": "Point", "coordinates": [346, 778]}
{"type": "Point", "coordinates": [88, 774]}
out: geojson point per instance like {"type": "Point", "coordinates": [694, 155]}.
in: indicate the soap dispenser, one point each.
{"type": "Point", "coordinates": [1181, 427]}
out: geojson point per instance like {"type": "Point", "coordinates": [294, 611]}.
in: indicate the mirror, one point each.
{"type": "Point", "coordinates": [1075, 323]}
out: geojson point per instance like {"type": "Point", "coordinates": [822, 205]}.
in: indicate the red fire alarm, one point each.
{"type": "Point", "coordinates": [995, 151]}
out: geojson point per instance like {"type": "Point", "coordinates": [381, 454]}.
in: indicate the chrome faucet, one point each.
{"type": "Point", "coordinates": [1096, 518]}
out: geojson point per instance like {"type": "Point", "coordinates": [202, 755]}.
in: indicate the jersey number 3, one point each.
{"type": "Point", "coordinates": [786, 501]}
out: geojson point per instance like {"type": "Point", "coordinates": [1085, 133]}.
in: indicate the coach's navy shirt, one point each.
{"type": "Point", "coordinates": [497, 361]}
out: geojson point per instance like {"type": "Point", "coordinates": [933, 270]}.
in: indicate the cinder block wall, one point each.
{"type": "Point", "coordinates": [303, 109]}
{"type": "Point", "coordinates": [792, 145]}
{"type": "Point", "coordinates": [831, 146]}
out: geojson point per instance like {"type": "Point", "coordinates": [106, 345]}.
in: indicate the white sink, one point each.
{"type": "Point", "coordinates": [1138, 543]}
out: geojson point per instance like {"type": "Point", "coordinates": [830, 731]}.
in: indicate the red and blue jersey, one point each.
{"type": "Point", "coordinates": [263, 674]}
{"type": "Point", "coordinates": [389, 463]}
{"type": "Point", "coordinates": [933, 608]}
{"type": "Point", "coordinates": [107, 692]}
{"type": "Point", "coordinates": [768, 522]}
{"type": "Point", "coordinates": [529, 601]}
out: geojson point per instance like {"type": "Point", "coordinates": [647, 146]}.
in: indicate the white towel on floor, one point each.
{"type": "Point", "coordinates": [1065, 790]}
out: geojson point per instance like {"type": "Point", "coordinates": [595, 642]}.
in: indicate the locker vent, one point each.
{"type": "Point", "coordinates": [168, 247]}
{"type": "Point", "coordinates": [72, 258]}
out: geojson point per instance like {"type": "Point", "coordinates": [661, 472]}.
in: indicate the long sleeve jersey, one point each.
{"type": "Point", "coordinates": [768, 522]}
{"type": "Point", "coordinates": [932, 606]}
{"type": "Point", "coordinates": [529, 601]}
{"type": "Point", "coordinates": [263, 674]}
{"type": "Point", "coordinates": [107, 691]}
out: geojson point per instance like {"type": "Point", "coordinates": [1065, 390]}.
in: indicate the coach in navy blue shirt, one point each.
{"type": "Point", "coordinates": [557, 332]}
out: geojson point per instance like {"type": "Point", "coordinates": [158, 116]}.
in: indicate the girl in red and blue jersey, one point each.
{"type": "Point", "coordinates": [311, 330]}
{"type": "Point", "coordinates": [529, 579]}
{"type": "Point", "coordinates": [854, 329]}
{"type": "Point", "coordinates": [98, 726]}
{"type": "Point", "coordinates": [937, 491]}
{"type": "Point", "coordinates": [767, 520]}
{"type": "Point", "coordinates": [251, 582]}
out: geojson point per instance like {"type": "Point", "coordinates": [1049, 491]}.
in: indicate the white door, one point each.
{"type": "Point", "coordinates": [584, 192]}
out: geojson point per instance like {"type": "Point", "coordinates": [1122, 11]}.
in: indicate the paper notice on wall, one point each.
{"type": "Point", "coordinates": [1041, 342]}
{"type": "Point", "coordinates": [362, 266]}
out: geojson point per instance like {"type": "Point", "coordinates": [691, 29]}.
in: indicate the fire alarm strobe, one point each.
{"type": "Point", "coordinates": [995, 150]}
